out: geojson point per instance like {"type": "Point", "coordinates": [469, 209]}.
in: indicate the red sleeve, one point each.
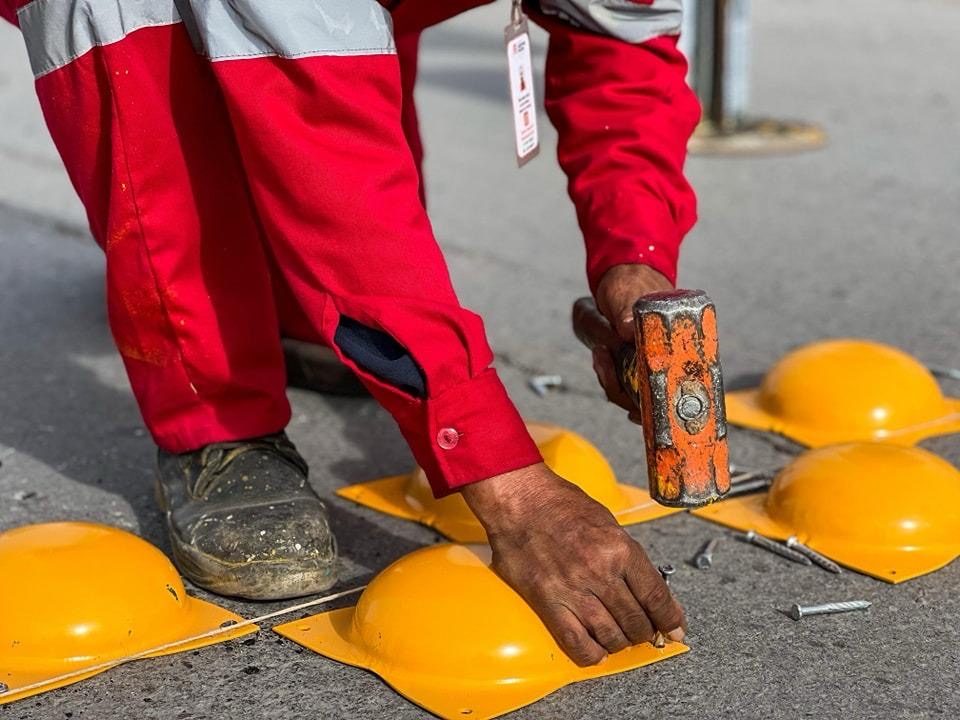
{"type": "Point", "coordinates": [624, 114]}
{"type": "Point", "coordinates": [8, 12]}
{"type": "Point", "coordinates": [417, 15]}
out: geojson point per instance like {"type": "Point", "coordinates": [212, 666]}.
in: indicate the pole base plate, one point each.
{"type": "Point", "coordinates": [756, 136]}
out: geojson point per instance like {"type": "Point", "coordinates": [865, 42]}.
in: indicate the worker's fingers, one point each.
{"type": "Point", "coordinates": [605, 333]}
{"type": "Point", "coordinates": [592, 326]}
{"type": "Point", "coordinates": [654, 595]}
{"type": "Point", "coordinates": [574, 639]}
{"type": "Point", "coordinates": [624, 327]}
{"type": "Point", "coordinates": [617, 308]}
{"type": "Point", "coordinates": [601, 624]}
{"type": "Point", "coordinates": [627, 611]}
{"type": "Point", "coordinates": [607, 376]}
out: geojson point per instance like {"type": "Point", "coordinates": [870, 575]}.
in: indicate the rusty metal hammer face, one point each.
{"type": "Point", "coordinates": [679, 384]}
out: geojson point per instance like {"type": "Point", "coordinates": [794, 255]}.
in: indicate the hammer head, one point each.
{"type": "Point", "coordinates": [680, 388]}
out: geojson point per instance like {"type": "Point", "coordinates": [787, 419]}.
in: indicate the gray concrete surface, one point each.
{"type": "Point", "coordinates": [859, 239]}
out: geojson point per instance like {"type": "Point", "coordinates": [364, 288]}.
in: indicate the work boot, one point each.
{"type": "Point", "coordinates": [243, 520]}
{"type": "Point", "coordinates": [317, 368]}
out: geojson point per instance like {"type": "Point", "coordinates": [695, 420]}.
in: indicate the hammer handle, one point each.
{"type": "Point", "coordinates": [593, 330]}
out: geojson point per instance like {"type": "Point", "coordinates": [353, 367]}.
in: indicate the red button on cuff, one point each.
{"type": "Point", "coordinates": [448, 438]}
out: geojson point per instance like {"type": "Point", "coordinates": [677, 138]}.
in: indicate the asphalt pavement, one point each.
{"type": "Point", "coordinates": [856, 240]}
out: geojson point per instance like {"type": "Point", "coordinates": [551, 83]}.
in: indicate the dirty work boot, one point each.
{"type": "Point", "coordinates": [244, 522]}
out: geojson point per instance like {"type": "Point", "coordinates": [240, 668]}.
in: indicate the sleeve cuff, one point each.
{"type": "Point", "coordinates": [469, 433]}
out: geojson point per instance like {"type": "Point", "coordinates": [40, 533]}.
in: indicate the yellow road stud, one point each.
{"type": "Point", "coordinates": [837, 391]}
{"type": "Point", "coordinates": [442, 629]}
{"type": "Point", "coordinates": [77, 595]}
{"type": "Point", "coordinates": [889, 511]}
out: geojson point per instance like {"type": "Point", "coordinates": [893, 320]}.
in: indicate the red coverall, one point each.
{"type": "Point", "coordinates": [244, 169]}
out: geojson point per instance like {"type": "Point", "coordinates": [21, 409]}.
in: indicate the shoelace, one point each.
{"type": "Point", "coordinates": [217, 457]}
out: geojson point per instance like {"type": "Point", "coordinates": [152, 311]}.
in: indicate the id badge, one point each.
{"type": "Point", "coordinates": [520, 66]}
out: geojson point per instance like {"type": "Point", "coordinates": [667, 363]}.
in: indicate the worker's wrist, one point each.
{"type": "Point", "coordinates": [501, 500]}
{"type": "Point", "coordinates": [624, 282]}
{"type": "Point", "coordinates": [642, 277]}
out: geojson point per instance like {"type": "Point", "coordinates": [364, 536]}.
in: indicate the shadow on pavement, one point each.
{"type": "Point", "coordinates": [56, 408]}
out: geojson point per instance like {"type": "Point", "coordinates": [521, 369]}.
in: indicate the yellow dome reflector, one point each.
{"type": "Point", "coordinates": [837, 391]}
{"type": "Point", "coordinates": [888, 511]}
{"type": "Point", "coordinates": [76, 595]}
{"type": "Point", "coordinates": [569, 455]}
{"type": "Point", "coordinates": [442, 629]}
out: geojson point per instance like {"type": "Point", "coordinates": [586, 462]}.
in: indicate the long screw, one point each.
{"type": "Point", "coordinates": [799, 611]}
{"type": "Point", "coordinates": [818, 559]}
{"type": "Point", "coordinates": [767, 544]}
{"type": "Point", "coordinates": [704, 559]}
{"type": "Point", "coordinates": [748, 480]}
{"type": "Point", "coordinates": [739, 474]}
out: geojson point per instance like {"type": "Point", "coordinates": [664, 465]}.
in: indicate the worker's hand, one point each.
{"type": "Point", "coordinates": [591, 583]}
{"type": "Point", "coordinates": [620, 287]}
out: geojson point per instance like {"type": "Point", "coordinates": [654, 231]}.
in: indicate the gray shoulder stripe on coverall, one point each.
{"type": "Point", "coordinates": [60, 31]}
{"type": "Point", "coordinates": [629, 21]}
{"type": "Point", "coordinates": [57, 32]}
{"type": "Point", "coordinates": [291, 28]}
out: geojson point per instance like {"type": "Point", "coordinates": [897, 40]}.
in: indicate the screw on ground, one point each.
{"type": "Point", "coordinates": [799, 611]}
{"type": "Point", "coordinates": [766, 543]}
{"type": "Point", "coordinates": [542, 384]}
{"type": "Point", "coordinates": [703, 560]}
{"type": "Point", "coordinates": [818, 559]}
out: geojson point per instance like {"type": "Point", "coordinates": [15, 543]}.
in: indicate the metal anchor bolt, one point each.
{"type": "Point", "coordinates": [826, 563]}
{"type": "Point", "coordinates": [767, 544]}
{"type": "Point", "coordinates": [799, 611]}
{"type": "Point", "coordinates": [704, 559]}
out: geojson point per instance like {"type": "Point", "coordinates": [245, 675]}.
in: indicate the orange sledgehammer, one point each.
{"type": "Point", "coordinates": [672, 373]}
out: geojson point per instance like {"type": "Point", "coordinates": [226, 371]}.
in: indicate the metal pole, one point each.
{"type": "Point", "coordinates": [715, 37]}
{"type": "Point", "coordinates": [715, 109]}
